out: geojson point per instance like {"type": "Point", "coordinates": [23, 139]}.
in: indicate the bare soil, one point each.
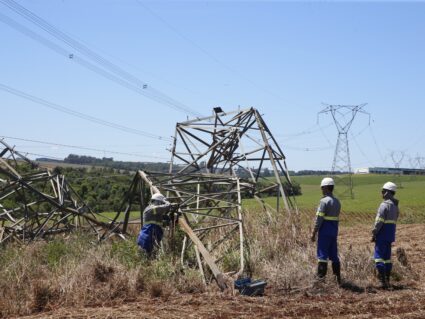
{"type": "Point", "coordinates": [406, 300]}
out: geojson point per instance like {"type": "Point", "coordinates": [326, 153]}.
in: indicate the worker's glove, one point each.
{"type": "Point", "coordinates": [166, 220]}
{"type": "Point", "coordinates": [174, 207]}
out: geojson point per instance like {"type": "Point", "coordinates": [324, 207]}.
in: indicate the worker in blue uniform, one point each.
{"type": "Point", "coordinates": [154, 215]}
{"type": "Point", "coordinates": [326, 226]}
{"type": "Point", "coordinates": [383, 233]}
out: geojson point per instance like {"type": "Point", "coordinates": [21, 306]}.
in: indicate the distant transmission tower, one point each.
{"type": "Point", "coordinates": [343, 116]}
{"type": "Point", "coordinates": [397, 158]}
{"type": "Point", "coordinates": [421, 163]}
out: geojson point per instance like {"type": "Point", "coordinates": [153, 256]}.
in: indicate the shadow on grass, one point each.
{"type": "Point", "coordinates": [348, 285]}
{"type": "Point", "coordinates": [399, 287]}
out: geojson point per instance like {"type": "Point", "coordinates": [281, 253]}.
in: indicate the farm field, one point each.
{"type": "Point", "coordinates": [360, 210]}
{"type": "Point", "coordinates": [367, 193]}
{"type": "Point", "coordinates": [164, 159]}
{"type": "Point", "coordinates": [406, 301]}
{"type": "Point", "coordinates": [72, 278]}
{"type": "Point", "coordinates": [367, 197]}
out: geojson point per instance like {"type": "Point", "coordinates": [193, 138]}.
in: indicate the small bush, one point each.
{"type": "Point", "coordinates": [55, 251]}
{"type": "Point", "coordinates": [127, 252]}
{"type": "Point", "coordinates": [102, 273]}
{"type": "Point", "coordinates": [140, 283]}
{"type": "Point", "coordinates": [190, 282]}
{"type": "Point", "coordinates": [43, 295]}
{"type": "Point", "coordinates": [155, 289]}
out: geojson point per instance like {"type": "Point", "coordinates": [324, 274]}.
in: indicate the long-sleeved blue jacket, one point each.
{"type": "Point", "coordinates": [386, 219]}
{"type": "Point", "coordinates": [327, 216]}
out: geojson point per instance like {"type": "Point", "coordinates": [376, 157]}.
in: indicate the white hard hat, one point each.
{"type": "Point", "coordinates": [327, 181]}
{"type": "Point", "coordinates": [390, 186]}
{"type": "Point", "coordinates": [158, 197]}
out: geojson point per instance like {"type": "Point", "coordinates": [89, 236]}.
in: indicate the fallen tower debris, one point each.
{"type": "Point", "coordinates": [37, 203]}
{"type": "Point", "coordinates": [215, 162]}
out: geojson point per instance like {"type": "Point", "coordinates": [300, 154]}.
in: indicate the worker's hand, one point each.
{"type": "Point", "coordinates": [313, 236]}
{"type": "Point", "coordinates": [174, 208]}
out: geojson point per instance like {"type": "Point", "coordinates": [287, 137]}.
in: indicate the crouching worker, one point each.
{"type": "Point", "coordinates": [326, 225]}
{"type": "Point", "coordinates": [151, 233]}
{"type": "Point", "coordinates": [383, 233]}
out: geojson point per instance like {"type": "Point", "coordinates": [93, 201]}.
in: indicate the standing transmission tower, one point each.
{"type": "Point", "coordinates": [397, 158]}
{"type": "Point", "coordinates": [343, 117]}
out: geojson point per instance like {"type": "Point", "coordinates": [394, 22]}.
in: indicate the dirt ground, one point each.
{"type": "Point", "coordinates": [406, 301]}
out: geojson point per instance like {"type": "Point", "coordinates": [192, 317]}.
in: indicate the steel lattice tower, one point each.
{"type": "Point", "coordinates": [343, 117]}
{"type": "Point", "coordinates": [397, 157]}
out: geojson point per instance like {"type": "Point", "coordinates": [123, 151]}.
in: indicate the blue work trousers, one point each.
{"type": "Point", "coordinates": [149, 237]}
{"type": "Point", "coordinates": [327, 248]}
{"type": "Point", "coordinates": [383, 256]}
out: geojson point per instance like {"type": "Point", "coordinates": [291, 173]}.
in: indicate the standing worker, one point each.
{"type": "Point", "coordinates": [153, 216]}
{"type": "Point", "coordinates": [327, 219]}
{"type": "Point", "coordinates": [383, 233]}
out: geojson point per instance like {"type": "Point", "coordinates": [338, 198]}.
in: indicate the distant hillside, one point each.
{"type": "Point", "coordinates": [73, 160]}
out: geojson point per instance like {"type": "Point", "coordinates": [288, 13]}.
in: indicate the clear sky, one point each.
{"type": "Point", "coordinates": [284, 58]}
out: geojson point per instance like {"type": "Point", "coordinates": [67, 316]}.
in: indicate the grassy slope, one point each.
{"type": "Point", "coordinates": [366, 191]}
{"type": "Point", "coordinates": [367, 196]}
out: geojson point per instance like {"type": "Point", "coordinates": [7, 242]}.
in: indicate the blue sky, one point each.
{"type": "Point", "coordinates": [284, 58]}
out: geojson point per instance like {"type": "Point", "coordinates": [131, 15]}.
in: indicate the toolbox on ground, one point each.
{"type": "Point", "coordinates": [248, 287]}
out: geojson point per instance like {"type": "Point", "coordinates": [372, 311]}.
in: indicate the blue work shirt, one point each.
{"type": "Point", "coordinates": [327, 216]}
{"type": "Point", "coordinates": [385, 221]}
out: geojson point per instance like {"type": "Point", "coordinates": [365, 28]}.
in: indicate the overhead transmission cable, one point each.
{"type": "Point", "coordinates": [79, 147]}
{"type": "Point", "coordinates": [307, 131]}
{"type": "Point", "coordinates": [308, 149]}
{"type": "Point", "coordinates": [42, 155]}
{"type": "Point", "coordinates": [74, 113]}
{"type": "Point", "coordinates": [87, 64]}
{"type": "Point", "coordinates": [211, 56]}
{"type": "Point", "coordinates": [360, 149]}
{"type": "Point", "coordinates": [383, 159]}
{"type": "Point", "coordinates": [114, 72]}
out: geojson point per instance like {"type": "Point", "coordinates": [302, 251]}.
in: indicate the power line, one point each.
{"type": "Point", "coordinates": [307, 131]}
{"type": "Point", "coordinates": [383, 159]}
{"type": "Point", "coordinates": [80, 147]}
{"type": "Point", "coordinates": [211, 56]}
{"type": "Point", "coordinates": [308, 149]}
{"type": "Point", "coordinates": [83, 116]}
{"type": "Point", "coordinates": [42, 155]}
{"type": "Point", "coordinates": [115, 73]}
{"type": "Point", "coordinates": [360, 149]}
{"type": "Point", "coordinates": [88, 65]}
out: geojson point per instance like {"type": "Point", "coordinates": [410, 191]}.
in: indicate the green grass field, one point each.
{"type": "Point", "coordinates": [367, 196]}
{"type": "Point", "coordinates": [367, 192]}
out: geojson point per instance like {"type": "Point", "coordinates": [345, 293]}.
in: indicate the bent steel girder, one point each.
{"type": "Point", "coordinates": [236, 143]}
{"type": "Point", "coordinates": [211, 206]}
{"type": "Point", "coordinates": [215, 162]}
{"type": "Point", "coordinates": [209, 213]}
{"type": "Point", "coordinates": [36, 203]}
{"type": "Point", "coordinates": [221, 158]}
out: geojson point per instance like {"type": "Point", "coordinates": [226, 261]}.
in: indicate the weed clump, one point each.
{"type": "Point", "coordinates": [43, 296]}
{"type": "Point", "coordinates": [155, 289]}
{"type": "Point", "coordinates": [102, 273]}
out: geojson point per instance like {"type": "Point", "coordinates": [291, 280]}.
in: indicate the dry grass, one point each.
{"type": "Point", "coordinates": [282, 253]}
{"type": "Point", "coordinates": [74, 272]}
{"type": "Point", "coordinates": [34, 278]}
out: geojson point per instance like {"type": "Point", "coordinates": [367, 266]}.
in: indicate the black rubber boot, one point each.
{"type": "Point", "coordinates": [383, 280]}
{"type": "Point", "coordinates": [336, 269]}
{"type": "Point", "coordinates": [387, 277]}
{"type": "Point", "coordinates": [322, 269]}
